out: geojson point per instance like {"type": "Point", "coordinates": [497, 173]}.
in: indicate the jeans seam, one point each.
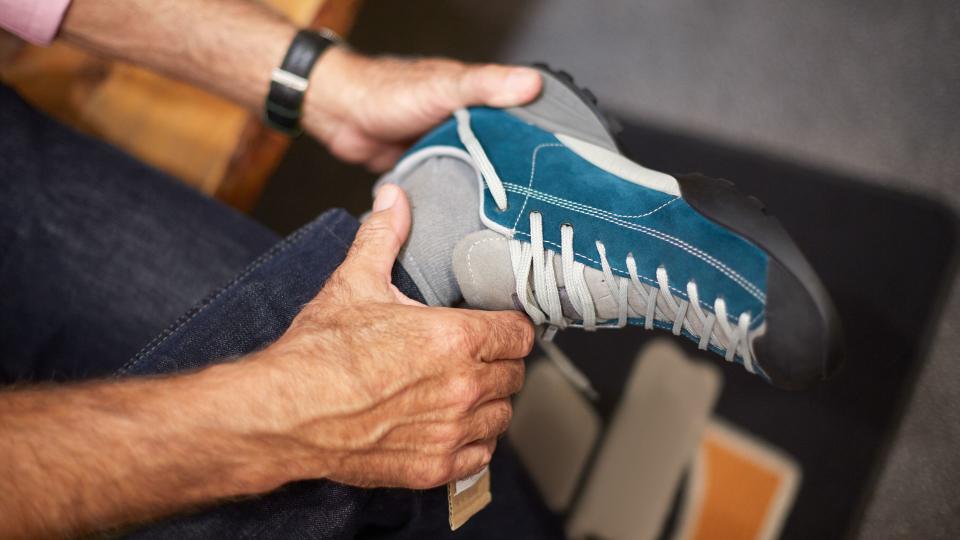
{"type": "Point", "coordinates": [343, 241]}
{"type": "Point", "coordinates": [182, 321]}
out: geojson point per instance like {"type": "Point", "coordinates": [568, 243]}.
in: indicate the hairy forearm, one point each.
{"type": "Point", "coordinates": [226, 46]}
{"type": "Point", "coordinates": [84, 457]}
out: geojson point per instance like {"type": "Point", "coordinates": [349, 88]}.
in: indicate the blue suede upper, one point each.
{"type": "Point", "coordinates": [541, 174]}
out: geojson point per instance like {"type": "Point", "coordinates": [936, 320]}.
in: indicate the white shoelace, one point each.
{"type": "Point", "coordinates": [543, 303]}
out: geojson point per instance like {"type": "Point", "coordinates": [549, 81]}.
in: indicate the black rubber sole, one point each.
{"type": "Point", "coordinates": [812, 349]}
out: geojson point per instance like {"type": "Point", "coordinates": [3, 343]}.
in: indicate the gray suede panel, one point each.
{"type": "Point", "coordinates": [560, 110]}
{"type": "Point", "coordinates": [481, 263]}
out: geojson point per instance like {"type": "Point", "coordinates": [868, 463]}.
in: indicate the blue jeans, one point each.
{"type": "Point", "coordinates": [99, 253]}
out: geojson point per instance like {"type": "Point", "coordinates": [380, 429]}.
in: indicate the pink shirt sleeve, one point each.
{"type": "Point", "coordinates": [36, 21]}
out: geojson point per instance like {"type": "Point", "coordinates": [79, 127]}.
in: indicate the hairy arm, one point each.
{"type": "Point", "coordinates": [365, 110]}
{"type": "Point", "coordinates": [227, 46]}
{"type": "Point", "coordinates": [80, 457]}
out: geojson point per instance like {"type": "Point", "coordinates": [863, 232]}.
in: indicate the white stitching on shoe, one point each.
{"type": "Point", "coordinates": [473, 277]}
{"type": "Point", "coordinates": [533, 172]}
{"type": "Point", "coordinates": [516, 188]}
{"type": "Point", "coordinates": [744, 283]}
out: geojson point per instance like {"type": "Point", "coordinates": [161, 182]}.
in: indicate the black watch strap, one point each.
{"type": "Point", "coordinates": [289, 82]}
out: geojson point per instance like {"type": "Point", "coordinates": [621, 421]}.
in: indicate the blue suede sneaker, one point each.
{"type": "Point", "coordinates": [578, 235]}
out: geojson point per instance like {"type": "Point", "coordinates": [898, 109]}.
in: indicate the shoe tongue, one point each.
{"type": "Point", "coordinates": [484, 271]}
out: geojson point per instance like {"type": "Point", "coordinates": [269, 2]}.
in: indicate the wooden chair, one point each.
{"type": "Point", "coordinates": [208, 142]}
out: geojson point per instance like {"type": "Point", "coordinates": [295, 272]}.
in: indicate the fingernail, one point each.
{"type": "Point", "coordinates": [386, 197]}
{"type": "Point", "coordinates": [521, 80]}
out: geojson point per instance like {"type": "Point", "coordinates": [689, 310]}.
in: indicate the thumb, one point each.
{"type": "Point", "coordinates": [379, 239]}
{"type": "Point", "coordinates": [498, 86]}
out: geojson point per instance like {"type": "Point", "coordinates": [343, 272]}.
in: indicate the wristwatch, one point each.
{"type": "Point", "coordinates": [289, 82]}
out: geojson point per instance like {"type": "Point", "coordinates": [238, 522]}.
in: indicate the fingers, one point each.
{"type": "Point", "coordinates": [485, 335]}
{"type": "Point", "coordinates": [501, 379]}
{"type": "Point", "coordinates": [385, 158]}
{"type": "Point", "coordinates": [497, 86]}
{"type": "Point", "coordinates": [490, 420]}
{"type": "Point", "coordinates": [354, 146]}
{"type": "Point", "coordinates": [414, 469]}
{"type": "Point", "coordinates": [465, 462]}
{"type": "Point", "coordinates": [472, 458]}
{"type": "Point", "coordinates": [504, 334]}
{"type": "Point", "coordinates": [379, 239]}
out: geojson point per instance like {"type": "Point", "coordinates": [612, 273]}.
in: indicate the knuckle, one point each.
{"type": "Point", "coordinates": [443, 79]}
{"type": "Point", "coordinates": [518, 379]}
{"type": "Point", "coordinates": [422, 479]}
{"type": "Point", "coordinates": [524, 331]}
{"type": "Point", "coordinates": [464, 389]}
{"type": "Point", "coordinates": [451, 436]}
{"type": "Point", "coordinates": [514, 332]}
{"type": "Point", "coordinates": [376, 228]}
{"type": "Point", "coordinates": [444, 68]}
{"type": "Point", "coordinates": [441, 70]}
{"type": "Point", "coordinates": [440, 471]}
{"type": "Point", "coordinates": [504, 415]}
{"type": "Point", "coordinates": [488, 454]}
{"type": "Point", "coordinates": [499, 419]}
{"type": "Point", "coordinates": [457, 335]}
{"type": "Point", "coordinates": [488, 450]}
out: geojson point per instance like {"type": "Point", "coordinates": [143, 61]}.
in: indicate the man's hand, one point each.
{"type": "Point", "coordinates": [366, 387]}
{"type": "Point", "coordinates": [367, 110]}
{"type": "Point", "coordinates": [396, 393]}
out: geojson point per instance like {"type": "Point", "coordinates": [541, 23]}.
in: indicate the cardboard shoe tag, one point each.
{"type": "Point", "coordinates": [467, 497]}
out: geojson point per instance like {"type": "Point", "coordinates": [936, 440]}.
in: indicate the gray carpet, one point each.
{"type": "Point", "coordinates": [870, 88]}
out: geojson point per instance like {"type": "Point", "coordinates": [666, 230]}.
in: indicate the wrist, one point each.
{"type": "Point", "coordinates": [245, 429]}
{"type": "Point", "coordinates": [271, 404]}
{"type": "Point", "coordinates": [330, 83]}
